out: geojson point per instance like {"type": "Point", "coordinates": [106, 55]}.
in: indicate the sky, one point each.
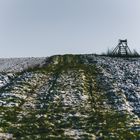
{"type": "Point", "coordinates": [38, 28]}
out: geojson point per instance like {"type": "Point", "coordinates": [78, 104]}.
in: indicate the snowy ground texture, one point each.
{"type": "Point", "coordinates": [70, 97]}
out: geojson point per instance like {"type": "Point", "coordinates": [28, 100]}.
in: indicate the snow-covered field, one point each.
{"type": "Point", "coordinates": [122, 78]}
{"type": "Point", "coordinates": [19, 64]}
{"type": "Point", "coordinates": [75, 98]}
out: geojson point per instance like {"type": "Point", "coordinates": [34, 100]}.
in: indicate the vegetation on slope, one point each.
{"type": "Point", "coordinates": [64, 99]}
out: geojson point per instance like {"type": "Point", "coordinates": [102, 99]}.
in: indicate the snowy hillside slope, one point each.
{"type": "Point", "coordinates": [19, 64]}
{"type": "Point", "coordinates": [70, 97]}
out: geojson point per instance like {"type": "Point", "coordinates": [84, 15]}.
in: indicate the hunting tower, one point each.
{"type": "Point", "coordinates": [122, 49]}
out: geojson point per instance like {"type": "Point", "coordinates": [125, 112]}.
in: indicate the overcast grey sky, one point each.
{"type": "Point", "coordinates": [48, 27]}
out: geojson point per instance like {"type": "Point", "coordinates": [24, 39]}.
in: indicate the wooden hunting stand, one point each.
{"type": "Point", "coordinates": [122, 49]}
